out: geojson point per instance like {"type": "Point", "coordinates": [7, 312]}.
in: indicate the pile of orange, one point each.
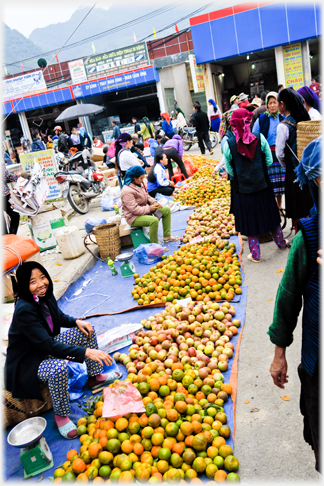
{"type": "Point", "coordinates": [199, 161]}
{"type": "Point", "coordinates": [198, 271]}
{"type": "Point", "coordinates": [202, 190]}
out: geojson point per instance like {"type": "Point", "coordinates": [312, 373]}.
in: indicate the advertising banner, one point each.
{"type": "Point", "coordinates": [118, 61]}
{"type": "Point", "coordinates": [114, 83]}
{"type": "Point", "coordinates": [293, 64]}
{"type": "Point", "coordinates": [46, 159]}
{"type": "Point", "coordinates": [196, 74]}
{"type": "Point", "coordinates": [31, 83]}
{"type": "Point", "coordinates": [78, 72]}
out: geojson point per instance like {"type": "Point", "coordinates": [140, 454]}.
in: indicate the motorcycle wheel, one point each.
{"type": "Point", "coordinates": [186, 142]}
{"type": "Point", "coordinates": [213, 137]}
{"type": "Point", "coordinates": [79, 203]}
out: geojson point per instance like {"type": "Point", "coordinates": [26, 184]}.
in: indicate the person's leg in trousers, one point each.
{"type": "Point", "coordinates": [14, 217]}
{"type": "Point", "coordinates": [278, 238]}
{"type": "Point", "coordinates": [164, 190]}
{"type": "Point", "coordinates": [120, 181]}
{"type": "Point", "coordinates": [170, 169]}
{"type": "Point", "coordinates": [166, 221]}
{"type": "Point", "coordinates": [254, 247]}
{"type": "Point", "coordinates": [207, 141]}
{"type": "Point", "coordinates": [201, 143]}
{"type": "Point", "coordinates": [178, 160]}
{"type": "Point", "coordinates": [152, 222]}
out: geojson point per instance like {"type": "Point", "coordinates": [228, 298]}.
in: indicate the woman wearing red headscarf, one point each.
{"type": "Point", "coordinates": [167, 125]}
{"type": "Point", "coordinates": [253, 202]}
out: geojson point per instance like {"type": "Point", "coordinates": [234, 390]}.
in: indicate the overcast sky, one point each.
{"type": "Point", "coordinates": [25, 16]}
{"type": "Point", "coordinates": [41, 14]}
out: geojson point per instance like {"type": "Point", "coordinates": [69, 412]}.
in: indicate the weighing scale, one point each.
{"type": "Point", "coordinates": [35, 454]}
{"type": "Point", "coordinates": [127, 268]}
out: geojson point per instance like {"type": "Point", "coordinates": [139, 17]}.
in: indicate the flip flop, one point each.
{"type": "Point", "coordinates": [69, 427]}
{"type": "Point", "coordinates": [172, 238]}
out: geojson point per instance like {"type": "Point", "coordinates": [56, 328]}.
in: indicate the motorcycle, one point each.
{"type": "Point", "coordinates": [84, 183]}
{"type": "Point", "coordinates": [189, 137]}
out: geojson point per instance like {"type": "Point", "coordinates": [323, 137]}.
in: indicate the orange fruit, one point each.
{"type": "Point", "coordinates": [82, 478]}
{"type": "Point", "coordinates": [220, 476]}
{"type": "Point", "coordinates": [218, 442]}
{"type": "Point", "coordinates": [78, 466]}
{"type": "Point", "coordinates": [138, 449]}
{"type": "Point", "coordinates": [121, 424]}
{"type": "Point", "coordinates": [70, 454]}
{"type": "Point", "coordinates": [94, 450]}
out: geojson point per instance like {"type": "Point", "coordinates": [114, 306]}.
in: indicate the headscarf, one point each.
{"type": "Point", "coordinates": [147, 123]}
{"type": "Point", "coordinates": [310, 97]}
{"type": "Point", "coordinates": [246, 141]}
{"type": "Point", "coordinates": [213, 103]}
{"type": "Point", "coordinates": [166, 116]}
{"type": "Point", "coordinates": [132, 172]}
{"type": "Point", "coordinates": [23, 274]}
{"type": "Point", "coordinates": [294, 103]}
{"type": "Point", "coordinates": [310, 165]}
{"type": "Point", "coordinates": [180, 111]}
{"type": "Point", "coordinates": [121, 142]}
{"type": "Point", "coordinates": [271, 94]}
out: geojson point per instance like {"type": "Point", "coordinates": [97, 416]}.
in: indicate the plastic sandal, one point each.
{"type": "Point", "coordinates": [249, 257]}
{"type": "Point", "coordinates": [172, 238]}
{"type": "Point", "coordinates": [69, 427]}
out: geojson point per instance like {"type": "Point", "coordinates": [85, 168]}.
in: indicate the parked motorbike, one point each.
{"type": "Point", "coordinates": [189, 137]}
{"type": "Point", "coordinates": [85, 182]}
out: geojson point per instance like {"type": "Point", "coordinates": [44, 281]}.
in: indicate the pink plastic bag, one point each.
{"type": "Point", "coordinates": [111, 150]}
{"type": "Point", "coordinates": [121, 398]}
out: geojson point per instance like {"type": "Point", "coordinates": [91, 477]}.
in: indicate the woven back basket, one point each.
{"type": "Point", "coordinates": [307, 131]}
{"type": "Point", "coordinates": [15, 411]}
{"type": "Point", "coordinates": [108, 241]}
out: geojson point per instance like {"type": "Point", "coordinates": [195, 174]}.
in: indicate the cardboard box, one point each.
{"type": "Point", "coordinates": [97, 155]}
{"type": "Point", "coordinates": [43, 226]}
{"type": "Point", "coordinates": [7, 291]}
{"type": "Point", "coordinates": [113, 181]}
{"type": "Point", "coordinates": [108, 173]}
{"type": "Point", "coordinates": [126, 241]}
{"type": "Point", "coordinates": [124, 230]}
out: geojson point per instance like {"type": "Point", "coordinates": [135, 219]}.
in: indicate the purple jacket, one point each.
{"type": "Point", "coordinates": [177, 143]}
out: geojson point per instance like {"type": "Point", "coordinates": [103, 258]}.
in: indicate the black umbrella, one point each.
{"type": "Point", "coordinates": [79, 110]}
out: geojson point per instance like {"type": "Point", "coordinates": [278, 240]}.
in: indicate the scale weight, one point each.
{"type": "Point", "coordinates": [127, 268]}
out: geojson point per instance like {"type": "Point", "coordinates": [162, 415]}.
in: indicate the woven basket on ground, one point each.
{"type": "Point", "coordinates": [307, 131]}
{"type": "Point", "coordinates": [107, 237]}
{"type": "Point", "coordinates": [15, 411]}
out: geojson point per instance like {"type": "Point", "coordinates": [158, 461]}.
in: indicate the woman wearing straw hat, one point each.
{"type": "Point", "coordinates": [267, 124]}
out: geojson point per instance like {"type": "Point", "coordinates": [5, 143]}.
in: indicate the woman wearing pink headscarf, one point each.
{"type": "Point", "coordinates": [253, 202]}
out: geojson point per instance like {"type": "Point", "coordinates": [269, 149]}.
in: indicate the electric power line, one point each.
{"type": "Point", "coordinates": [160, 11]}
{"type": "Point", "coordinates": [50, 61]}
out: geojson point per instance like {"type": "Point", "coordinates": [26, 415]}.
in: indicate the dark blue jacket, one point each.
{"type": "Point", "coordinates": [30, 342]}
{"type": "Point", "coordinates": [116, 132]}
{"type": "Point", "coordinates": [250, 176]}
{"type": "Point", "coordinates": [37, 145]}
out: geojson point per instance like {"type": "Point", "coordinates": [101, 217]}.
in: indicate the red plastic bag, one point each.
{"type": "Point", "coordinates": [190, 168]}
{"type": "Point", "coordinates": [121, 398]}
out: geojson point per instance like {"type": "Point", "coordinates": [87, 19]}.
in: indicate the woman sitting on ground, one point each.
{"type": "Point", "coordinates": [157, 181]}
{"type": "Point", "coordinates": [140, 209]}
{"type": "Point", "coordinates": [38, 348]}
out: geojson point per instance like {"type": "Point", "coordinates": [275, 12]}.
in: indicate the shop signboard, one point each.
{"type": "Point", "coordinates": [293, 64]}
{"type": "Point", "coordinates": [30, 83]}
{"type": "Point", "coordinates": [114, 83]}
{"type": "Point", "coordinates": [78, 72]}
{"type": "Point", "coordinates": [46, 159]}
{"type": "Point", "coordinates": [118, 61]}
{"type": "Point", "coordinates": [196, 74]}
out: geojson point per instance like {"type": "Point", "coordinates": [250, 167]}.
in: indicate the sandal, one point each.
{"type": "Point", "coordinates": [68, 431]}
{"type": "Point", "coordinates": [250, 257]}
{"type": "Point", "coordinates": [171, 238]}
{"type": "Point", "coordinates": [94, 383]}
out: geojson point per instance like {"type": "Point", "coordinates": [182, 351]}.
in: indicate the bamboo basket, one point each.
{"type": "Point", "coordinates": [15, 411]}
{"type": "Point", "coordinates": [307, 131]}
{"type": "Point", "coordinates": [108, 240]}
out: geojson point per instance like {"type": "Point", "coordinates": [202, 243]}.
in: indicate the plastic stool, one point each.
{"type": "Point", "coordinates": [178, 177]}
{"type": "Point", "coordinates": [138, 237]}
